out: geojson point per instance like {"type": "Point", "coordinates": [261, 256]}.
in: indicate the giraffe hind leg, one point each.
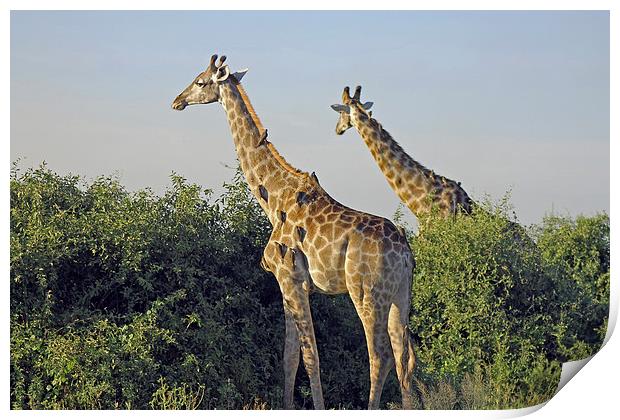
{"type": "Point", "coordinates": [379, 354]}
{"type": "Point", "coordinates": [374, 319]}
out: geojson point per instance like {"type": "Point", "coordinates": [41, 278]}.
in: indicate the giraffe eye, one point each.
{"type": "Point", "coordinates": [200, 83]}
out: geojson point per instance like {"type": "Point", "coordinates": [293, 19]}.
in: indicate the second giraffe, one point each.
{"type": "Point", "coordinates": [418, 187]}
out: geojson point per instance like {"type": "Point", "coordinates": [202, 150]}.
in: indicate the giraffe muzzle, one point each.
{"type": "Point", "coordinates": [179, 105]}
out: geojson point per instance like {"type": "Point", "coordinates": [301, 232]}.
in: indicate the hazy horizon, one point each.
{"type": "Point", "coordinates": [497, 100]}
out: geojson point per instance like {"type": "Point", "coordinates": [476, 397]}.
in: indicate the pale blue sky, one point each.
{"type": "Point", "coordinates": [496, 100]}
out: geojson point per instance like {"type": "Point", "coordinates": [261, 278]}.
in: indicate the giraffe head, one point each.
{"type": "Point", "coordinates": [344, 121]}
{"type": "Point", "coordinates": [205, 88]}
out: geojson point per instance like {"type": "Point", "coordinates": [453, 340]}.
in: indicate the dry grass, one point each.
{"type": "Point", "coordinates": [442, 396]}
{"type": "Point", "coordinates": [473, 391]}
{"type": "Point", "coordinates": [256, 404]}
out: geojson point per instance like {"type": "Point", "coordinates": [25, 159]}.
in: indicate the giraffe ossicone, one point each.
{"type": "Point", "coordinates": [318, 244]}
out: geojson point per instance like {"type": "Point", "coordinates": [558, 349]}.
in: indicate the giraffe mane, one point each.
{"type": "Point", "coordinates": [279, 158]}
{"type": "Point", "coordinates": [250, 108]}
{"type": "Point", "coordinates": [399, 149]}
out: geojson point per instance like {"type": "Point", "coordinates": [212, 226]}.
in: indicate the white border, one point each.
{"type": "Point", "coordinates": [593, 393]}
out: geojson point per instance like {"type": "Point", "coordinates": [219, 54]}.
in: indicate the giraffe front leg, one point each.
{"type": "Point", "coordinates": [291, 358]}
{"type": "Point", "coordinates": [291, 270]}
{"type": "Point", "coordinates": [274, 261]}
{"type": "Point", "coordinates": [310, 353]}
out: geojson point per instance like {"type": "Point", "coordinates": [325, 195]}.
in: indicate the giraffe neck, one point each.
{"type": "Point", "coordinates": [412, 182]}
{"type": "Point", "coordinates": [267, 173]}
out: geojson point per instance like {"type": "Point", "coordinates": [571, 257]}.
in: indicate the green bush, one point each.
{"type": "Point", "coordinates": [575, 255]}
{"type": "Point", "coordinates": [132, 300]}
{"type": "Point", "coordinates": [481, 301]}
{"type": "Point", "coordinates": [90, 262]}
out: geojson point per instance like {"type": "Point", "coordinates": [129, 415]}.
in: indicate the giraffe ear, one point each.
{"type": "Point", "coordinates": [340, 108]}
{"type": "Point", "coordinates": [221, 74]}
{"type": "Point", "coordinates": [367, 105]}
{"type": "Point", "coordinates": [239, 74]}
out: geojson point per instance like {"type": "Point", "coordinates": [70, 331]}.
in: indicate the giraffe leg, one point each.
{"type": "Point", "coordinates": [380, 356]}
{"type": "Point", "coordinates": [402, 347]}
{"type": "Point", "coordinates": [291, 358]}
{"type": "Point", "coordinates": [300, 309]}
{"type": "Point", "coordinates": [291, 270]}
{"type": "Point", "coordinates": [286, 273]}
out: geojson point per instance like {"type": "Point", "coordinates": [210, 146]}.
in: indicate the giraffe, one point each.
{"type": "Point", "coordinates": [318, 244]}
{"type": "Point", "coordinates": [418, 187]}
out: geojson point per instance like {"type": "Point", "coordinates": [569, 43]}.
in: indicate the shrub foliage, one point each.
{"type": "Point", "coordinates": [132, 300]}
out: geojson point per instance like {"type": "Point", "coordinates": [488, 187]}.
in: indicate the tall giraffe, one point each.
{"type": "Point", "coordinates": [318, 244]}
{"type": "Point", "coordinates": [418, 187]}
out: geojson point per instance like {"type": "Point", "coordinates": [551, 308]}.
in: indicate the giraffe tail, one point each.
{"type": "Point", "coordinates": [409, 357]}
{"type": "Point", "coordinates": [406, 384]}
